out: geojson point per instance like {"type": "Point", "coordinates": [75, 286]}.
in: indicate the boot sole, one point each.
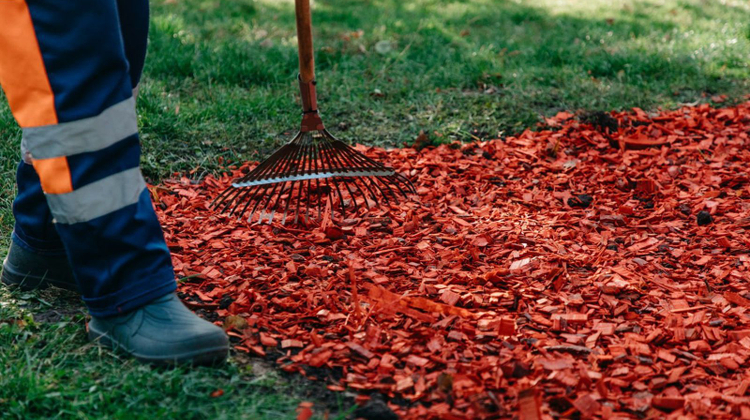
{"type": "Point", "coordinates": [203, 357]}
{"type": "Point", "coordinates": [12, 277]}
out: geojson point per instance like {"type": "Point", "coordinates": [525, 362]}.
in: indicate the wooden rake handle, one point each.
{"type": "Point", "coordinates": [305, 41]}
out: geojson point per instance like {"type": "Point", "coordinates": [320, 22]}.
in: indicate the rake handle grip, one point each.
{"type": "Point", "coordinates": [305, 40]}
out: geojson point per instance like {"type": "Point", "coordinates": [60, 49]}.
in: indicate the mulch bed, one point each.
{"type": "Point", "coordinates": [597, 268]}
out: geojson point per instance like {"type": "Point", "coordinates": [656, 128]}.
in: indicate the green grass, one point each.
{"type": "Point", "coordinates": [221, 76]}
{"type": "Point", "coordinates": [220, 83]}
{"type": "Point", "coordinates": [49, 371]}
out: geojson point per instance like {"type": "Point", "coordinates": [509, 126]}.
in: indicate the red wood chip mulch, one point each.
{"type": "Point", "coordinates": [562, 273]}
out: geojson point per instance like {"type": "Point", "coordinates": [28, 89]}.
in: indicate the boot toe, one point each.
{"type": "Point", "coordinates": [164, 331]}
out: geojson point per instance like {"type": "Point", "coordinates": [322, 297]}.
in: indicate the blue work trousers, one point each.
{"type": "Point", "coordinates": [69, 69]}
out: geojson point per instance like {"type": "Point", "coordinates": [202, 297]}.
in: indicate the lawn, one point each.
{"type": "Point", "coordinates": [50, 372]}
{"type": "Point", "coordinates": [219, 87]}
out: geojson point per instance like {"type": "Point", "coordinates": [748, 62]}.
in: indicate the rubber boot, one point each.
{"type": "Point", "coordinates": [30, 270]}
{"type": "Point", "coordinates": [163, 331]}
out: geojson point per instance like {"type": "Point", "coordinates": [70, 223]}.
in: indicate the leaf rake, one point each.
{"type": "Point", "coordinates": [314, 169]}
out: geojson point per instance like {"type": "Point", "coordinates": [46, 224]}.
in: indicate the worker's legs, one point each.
{"type": "Point", "coordinates": [70, 89]}
{"type": "Point", "coordinates": [34, 232]}
{"type": "Point", "coordinates": [64, 70]}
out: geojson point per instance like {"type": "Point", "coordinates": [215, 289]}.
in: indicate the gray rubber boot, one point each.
{"type": "Point", "coordinates": [162, 332]}
{"type": "Point", "coordinates": [30, 270]}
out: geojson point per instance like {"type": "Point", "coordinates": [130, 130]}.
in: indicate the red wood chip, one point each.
{"type": "Point", "coordinates": [668, 403]}
{"type": "Point", "coordinates": [416, 360]}
{"type": "Point", "coordinates": [291, 343]}
{"type": "Point", "coordinates": [587, 405]}
{"type": "Point", "coordinates": [360, 350]}
{"type": "Point", "coordinates": [319, 359]}
{"type": "Point", "coordinates": [268, 341]}
{"type": "Point", "coordinates": [507, 327]}
{"type": "Point", "coordinates": [580, 264]}
{"type": "Point", "coordinates": [529, 404]}
{"type": "Point", "coordinates": [305, 411]}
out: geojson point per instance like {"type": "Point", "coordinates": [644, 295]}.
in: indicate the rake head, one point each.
{"type": "Point", "coordinates": [314, 169]}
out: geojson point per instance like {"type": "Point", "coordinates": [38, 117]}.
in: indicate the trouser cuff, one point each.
{"type": "Point", "coordinates": [38, 246]}
{"type": "Point", "coordinates": [134, 296]}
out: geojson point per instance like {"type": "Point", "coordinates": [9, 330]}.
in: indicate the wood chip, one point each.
{"type": "Point", "coordinates": [494, 280]}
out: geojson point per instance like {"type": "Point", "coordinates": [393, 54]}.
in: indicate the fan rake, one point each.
{"type": "Point", "coordinates": [314, 170]}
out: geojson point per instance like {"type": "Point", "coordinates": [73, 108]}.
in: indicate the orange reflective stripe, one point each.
{"type": "Point", "coordinates": [22, 72]}
{"type": "Point", "coordinates": [54, 174]}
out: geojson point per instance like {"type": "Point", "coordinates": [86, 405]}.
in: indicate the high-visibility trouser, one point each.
{"type": "Point", "coordinates": [68, 69]}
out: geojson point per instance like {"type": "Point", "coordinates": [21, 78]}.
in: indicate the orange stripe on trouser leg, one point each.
{"type": "Point", "coordinates": [54, 174]}
{"type": "Point", "coordinates": [22, 72]}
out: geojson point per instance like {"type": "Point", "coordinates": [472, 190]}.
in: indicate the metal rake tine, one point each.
{"type": "Point", "coordinates": [366, 182]}
{"type": "Point", "coordinates": [258, 188]}
{"type": "Point", "coordinates": [300, 184]}
{"type": "Point", "coordinates": [341, 196]}
{"type": "Point", "coordinates": [361, 156]}
{"type": "Point", "coordinates": [267, 167]}
{"type": "Point", "coordinates": [271, 213]}
{"type": "Point", "coordinates": [233, 199]}
{"type": "Point", "coordinates": [301, 152]}
{"type": "Point", "coordinates": [242, 194]}
{"type": "Point", "coordinates": [268, 197]}
{"type": "Point", "coordinates": [249, 192]}
{"type": "Point", "coordinates": [286, 206]}
{"type": "Point", "coordinates": [352, 196]}
{"type": "Point", "coordinates": [307, 168]}
{"type": "Point", "coordinates": [284, 170]}
{"type": "Point", "coordinates": [408, 183]}
{"type": "Point", "coordinates": [289, 198]}
{"type": "Point", "coordinates": [311, 162]}
{"type": "Point", "coordinates": [361, 159]}
{"type": "Point", "coordinates": [320, 197]}
{"type": "Point", "coordinates": [374, 181]}
{"type": "Point", "coordinates": [225, 199]}
{"type": "Point", "coordinates": [356, 185]}
{"type": "Point", "coordinates": [367, 200]}
{"type": "Point", "coordinates": [394, 180]}
{"type": "Point", "coordinates": [276, 196]}
{"type": "Point", "coordinates": [308, 143]}
{"type": "Point", "coordinates": [323, 161]}
{"type": "Point", "coordinates": [306, 165]}
{"type": "Point", "coordinates": [288, 201]}
{"type": "Point", "coordinates": [260, 171]}
{"type": "Point", "coordinates": [317, 181]}
{"type": "Point", "coordinates": [257, 203]}
{"type": "Point", "coordinates": [347, 150]}
{"type": "Point", "coordinates": [299, 194]}
{"type": "Point", "coordinates": [388, 187]}
{"type": "Point", "coordinates": [219, 200]}
{"type": "Point", "coordinates": [279, 159]}
{"type": "Point", "coordinates": [343, 179]}
{"type": "Point", "coordinates": [300, 139]}
{"type": "Point", "coordinates": [386, 184]}
{"type": "Point", "coordinates": [330, 196]}
{"type": "Point", "coordinates": [327, 160]}
{"type": "Point", "coordinates": [270, 217]}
